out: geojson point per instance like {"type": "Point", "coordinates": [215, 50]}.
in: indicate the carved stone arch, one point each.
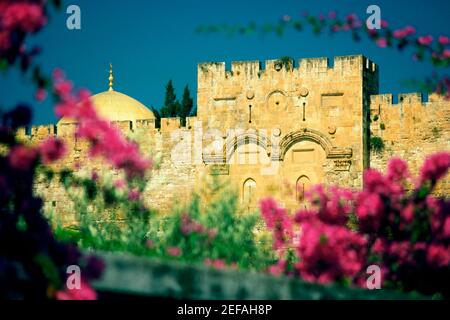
{"type": "Point", "coordinates": [248, 190]}
{"type": "Point", "coordinates": [274, 92]}
{"type": "Point", "coordinates": [279, 104]}
{"type": "Point", "coordinates": [244, 138]}
{"type": "Point", "coordinates": [301, 187]}
{"type": "Point", "coordinates": [315, 136]}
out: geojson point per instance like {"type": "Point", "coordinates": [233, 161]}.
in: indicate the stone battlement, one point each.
{"type": "Point", "coordinates": [412, 98]}
{"type": "Point", "coordinates": [344, 65]}
{"type": "Point", "coordinates": [40, 132]}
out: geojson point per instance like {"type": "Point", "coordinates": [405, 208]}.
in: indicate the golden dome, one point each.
{"type": "Point", "coordinates": [115, 106]}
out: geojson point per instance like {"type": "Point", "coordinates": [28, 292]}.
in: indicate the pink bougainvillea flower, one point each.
{"type": "Point", "coordinates": [94, 176]}
{"type": "Point", "coordinates": [84, 293]}
{"type": "Point", "coordinates": [21, 157]}
{"type": "Point", "coordinates": [407, 213]}
{"type": "Point", "coordinates": [399, 34]}
{"type": "Point", "coordinates": [5, 41]}
{"type": "Point", "coordinates": [329, 252]}
{"type": "Point", "coordinates": [25, 16]}
{"type": "Point", "coordinates": [402, 251]}
{"type": "Point", "coordinates": [52, 150]}
{"type": "Point", "coordinates": [278, 268]}
{"type": "Point", "coordinates": [397, 170]}
{"type": "Point", "coordinates": [382, 42]}
{"type": "Point", "coordinates": [425, 40]}
{"type": "Point", "coordinates": [438, 255]}
{"type": "Point", "coordinates": [149, 244]}
{"type": "Point", "coordinates": [446, 54]}
{"type": "Point", "coordinates": [174, 251]}
{"type": "Point", "coordinates": [379, 246]}
{"type": "Point", "coordinates": [435, 167]}
{"type": "Point", "coordinates": [134, 195]}
{"type": "Point", "coordinates": [40, 94]}
{"type": "Point", "coordinates": [215, 263]}
{"type": "Point", "coordinates": [444, 40]}
{"type": "Point", "coordinates": [403, 33]}
{"type": "Point", "coordinates": [277, 219]}
{"type": "Point", "coordinates": [410, 30]}
{"type": "Point", "coordinates": [375, 182]}
{"type": "Point", "coordinates": [119, 184]}
{"type": "Point", "coordinates": [336, 28]}
{"type": "Point", "coordinates": [212, 233]}
{"type": "Point", "coordinates": [446, 228]}
{"type": "Point", "coordinates": [369, 210]}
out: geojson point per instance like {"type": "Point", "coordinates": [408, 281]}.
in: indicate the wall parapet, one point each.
{"type": "Point", "coordinates": [306, 66]}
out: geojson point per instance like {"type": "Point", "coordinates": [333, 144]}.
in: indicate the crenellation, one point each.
{"type": "Point", "coordinates": [384, 99]}
{"type": "Point", "coordinates": [23, 133]}
{"type": "Point", "coordinates": [146, 124]}
{"type": "Point", "coordinates": [66, 129]}
{"type": "Point", "coordinates": [313, 66]}
{"type": "Point", "coordinates": [124, 126]}
{"type": "Point", "coordinates": [170, 124]}
{"type": "Point", "coordinates": [411, 98]}
{"type": "Point", "coordinates": [408, 99]}
{"type": "Point", "coordinates": [42, 132]}
{"type": "Point", "coordinates": [247, 69]}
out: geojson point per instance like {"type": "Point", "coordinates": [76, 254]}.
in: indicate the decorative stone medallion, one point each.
{"type": "Point", "coordinates": [303, 92]}
{"type": "Point", "coordinates": [331, 129]}
{"type": "Point", "coordinates": [276, 132]}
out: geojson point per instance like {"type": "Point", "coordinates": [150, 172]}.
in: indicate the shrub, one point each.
{"type": "Point", "coordinates": [407, 234]}
{"type": "Point", "coordinates": [211, 229]}
{"type": "Point", "coordinates": [376, 144]}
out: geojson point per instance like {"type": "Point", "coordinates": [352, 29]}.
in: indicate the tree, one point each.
{"type": "Point", "coordinates": [171, 105]}
{"type": "Point", "coordinates": [186, 104]}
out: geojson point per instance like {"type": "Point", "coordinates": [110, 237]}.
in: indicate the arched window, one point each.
{"type": "Point", "coordinates": [302, 187]}
{"type": "Point", "coordinates": [248, 192]}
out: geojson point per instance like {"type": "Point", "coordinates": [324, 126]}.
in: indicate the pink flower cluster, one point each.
{"type": "Point", "coordinates": [435, 167]}
{"type": "Point", "coordinates": [19, 16]}
{"type": "Point", "coordinates": [189, 225]}
{"type": "Point", "coordinates": [278, 221]}
{"type": "Point", "coordinates": [21, 157]}
{"type": "Point", "coordinates": [105, 139]}
{"type": "Point", "coordinates": [85, 292]}
{"type": "Point", "coordinates": [404, 232]}
{"type": "Point", "coordinates": [328, 252]}
{"type": "Point", "coordinates": [219, 264]}
{"type": "Point", "coordinates": [405, 32]}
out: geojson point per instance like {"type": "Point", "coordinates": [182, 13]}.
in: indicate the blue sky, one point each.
{"type": "Point", "coordinates": [150, 42]}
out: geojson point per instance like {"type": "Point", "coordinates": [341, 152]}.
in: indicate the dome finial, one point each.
{"type": "Point", "coordinates": [111, 77]}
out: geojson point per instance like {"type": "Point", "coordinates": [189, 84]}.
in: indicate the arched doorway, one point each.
{"type": "Point", "coordinates": [248, 191]}
{"type": "Point", "coordinates": [303, 166]}
{"type": "Point", "coordinates": [301, 187]}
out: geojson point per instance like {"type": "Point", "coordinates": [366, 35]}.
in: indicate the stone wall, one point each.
{"type": "Point", "coordinates": [410, 129]}
{"type": "Point", "coordinates": [307, 122]}
{"type": "Point", "coordinates": [271, 132]}
{"type": "Point", "coordinates": [129, 276]}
